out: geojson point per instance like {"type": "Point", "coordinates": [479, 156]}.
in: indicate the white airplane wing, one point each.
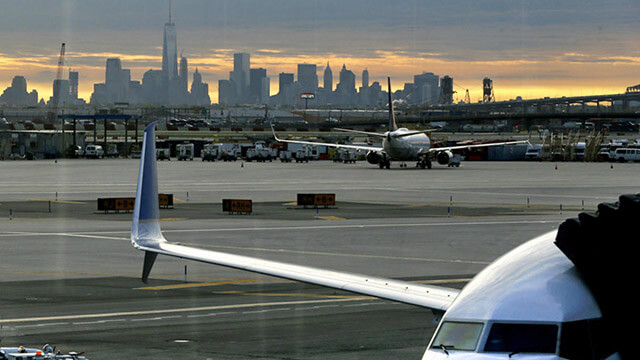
{"type": "Point", "coordinates": [343, 146]}
{"type": "Point", "coordinates": [445, 148]}
{"type": "Point", "coordinates": [146, 235]}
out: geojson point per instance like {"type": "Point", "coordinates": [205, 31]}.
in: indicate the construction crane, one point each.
{"type": "Point", "coordinates": [56, 86]}
{"type": "Point", "coordinates": [467, 99]}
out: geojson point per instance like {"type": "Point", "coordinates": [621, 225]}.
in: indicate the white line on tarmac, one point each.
{"type": "Point", "coordinates": [95, 234]}
{"type": "Point", "coordinates": [176, 310]}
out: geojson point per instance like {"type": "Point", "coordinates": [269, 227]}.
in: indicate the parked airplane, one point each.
{"type": "Point", "coordinates": [400, 144]}
{"type": "Point", "coordinates": [532, 303]}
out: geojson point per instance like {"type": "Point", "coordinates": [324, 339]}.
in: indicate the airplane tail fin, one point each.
{"type": "Point", "coordinates": [145, 229]}
{"type": "Point", "coordinates": [392, 116]}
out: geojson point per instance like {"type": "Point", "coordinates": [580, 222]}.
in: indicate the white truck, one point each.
{"type": "Point", "coordinates": [229, 154]}
{"type": "Point", "coordinates": [302, 155]}
{"type": "Point", "coordinates": [285, 156]}
{"type": "Point", "coordinates": [93, 151]}
{"type": "Point", "coordinates": [163, 154]}
{"type": "Point", "coordinates": [185, 151]}
{"type": "Point", "coordinates": [534, 152]}
{"type": "Point", "coordinates": [211, 152]}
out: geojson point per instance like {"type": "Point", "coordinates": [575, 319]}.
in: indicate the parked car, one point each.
{"type": "Point", "coordinates": [626, 154]}
{"type": "Point", "coordinates": [94, 151]}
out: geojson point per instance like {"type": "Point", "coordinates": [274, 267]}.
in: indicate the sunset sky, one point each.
{"type": "Point", "coordinates": [529, 48]}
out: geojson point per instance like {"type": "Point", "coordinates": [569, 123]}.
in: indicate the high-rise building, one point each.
{"type": "Point", "coordinates": [240, 76]}
{"type": "Point", "coordinates": [152, 81]}
{"type": "Point", "coordinates": [17, 94]}
{"type": "Point", "coordinates": [73, 84]}
{"type": "Point", "coordinates": [426, 88]}
{"type": "Point", "coordinates": [258, 86]}
{"type": "Point", "coordinates": [199, 90]}
{"type": "Point", "coordinates": [226, 92]}
{"type": "Point", "coordinates": [307, 78]}
{"type": "Point", "coordinates": [60, 92]}
{"type": "Point", "coordinates": [183, 74]}
{"type": "Point", "coordinates": [170, 51]}
{"type": "Point", "coordinates": [114, 81]}
{"type": "Point", "coordinates": [365, 78]}
{"type": "Point", "coordinates": [328, 78]}
{"type": "Point", "coordinates": [446, 90]}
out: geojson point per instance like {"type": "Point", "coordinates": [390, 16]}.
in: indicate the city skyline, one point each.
{"type": "Point", "coordinates": [528, 49]}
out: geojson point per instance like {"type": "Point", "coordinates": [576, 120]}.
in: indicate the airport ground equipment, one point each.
{"type": "Point", "coordinates": [534, 152]}
{"type": "Point", "coordinates": [185, 151]}
{"type": "Point", "coordinates": [285, 156]}
{"type": "Point", "coordinates": [211, 152]}
{"type": "Point", "coordinates": [302, 155]}
{"type": "Point", "coordinates": [237, 206]}
{"type": "Point", "coordinates": [93, 151]}
{"type": "Point", "coordinates": [561, 295]}
{"type": "Point", "coordinates": [47, 352]}
{"type": "Point", "coordinates": [229, 155]}
{"type": "Point", "coordinates": [260, 152]}
{"type": "Point", "coordinates": [163, 154]}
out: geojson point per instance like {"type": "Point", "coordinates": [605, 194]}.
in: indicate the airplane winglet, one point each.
{"type": "Point", "coordinates": [274, 132]}
{"type": "Point", "coordinates": [145, 229]}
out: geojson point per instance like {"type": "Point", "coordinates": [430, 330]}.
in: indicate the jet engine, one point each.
{"type": "Point", "coordinates": [444, 157]}
{"type": "Point", "coordinates": [373, 157]}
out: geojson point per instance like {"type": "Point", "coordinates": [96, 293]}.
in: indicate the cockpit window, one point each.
{"type": "Point", "coordinates": [515, 338]}
{"type": "Point", "coordinates": [458, 336]}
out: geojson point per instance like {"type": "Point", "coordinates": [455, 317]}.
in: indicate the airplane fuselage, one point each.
{"type": "Point", "coordinates": [405, 148]}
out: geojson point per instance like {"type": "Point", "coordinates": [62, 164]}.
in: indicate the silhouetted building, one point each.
{"type": "Point", "coordinates": [240, 76]}
{"type": "Point", "coordinates": [258, 86]}
{"type": "Point", "coordinates": [170, 51]}
{"type": "Point", "coordinates": [365, 78]}
{"type": "Point", "coordinates": [346, 88]}
{"type": "Point", "coordinates": [16, 94]}
{"type": "Point", "coordinates": [328, 78]}
{"type": "Point", "coordinates": [73, 84]}
{"type": "Point", "coordinates": [446, 90]}
{"type": "Point", "coordinates": [152, 82]}
{"type": "Point", "coordinates": [199, 90]}
{"type": "Point", "coordinates": [307, 78]}
{"type": "Point", "coordinates": [425, 88]}
{"type": "Point", "coordinates": [226, 92]}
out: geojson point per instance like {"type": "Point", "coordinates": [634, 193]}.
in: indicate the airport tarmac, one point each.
{"type": "Point", "coordinates": [69, 277]}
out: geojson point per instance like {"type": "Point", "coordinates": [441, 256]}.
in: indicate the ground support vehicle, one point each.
{"type": "Point", "coordinates": [94, 151]}
{"type": "Point", "coordinates": [163, 154]}
{"type": "Point", "coordinates": [185, 151]}
{"type": "Point", "coordinates": [285, 156]}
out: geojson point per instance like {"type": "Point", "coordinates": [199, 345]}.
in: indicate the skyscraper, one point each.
{"type": "Point", "coordinates": [73, 84]}
{"type": "Point", "coordinates": [114, 80]}
{"type": "Point", "coordinates": [199, 90]}
{"type": "Point", "coordinates": [170, 51]}
{"type": "Point", "coordinates": [328, 78]}
{"type": "Point", "coordinates": [365, 78]}
{"type": "Point", "coordinates": [307, 78]}
{"type": "Point", "coordinates": [183, 74]}
{"type": "Point", "coordinates": [240, 76]}
{"type": "Point", "coordinates": [259, 86]}
{"type": "Point", "coordinates": [426, 88]}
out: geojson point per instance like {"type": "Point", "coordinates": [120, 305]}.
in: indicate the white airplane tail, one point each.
{"type": "Point", "coordinates": [392, 116]}
{"type": "Point", "coordinates": [145, 228]}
